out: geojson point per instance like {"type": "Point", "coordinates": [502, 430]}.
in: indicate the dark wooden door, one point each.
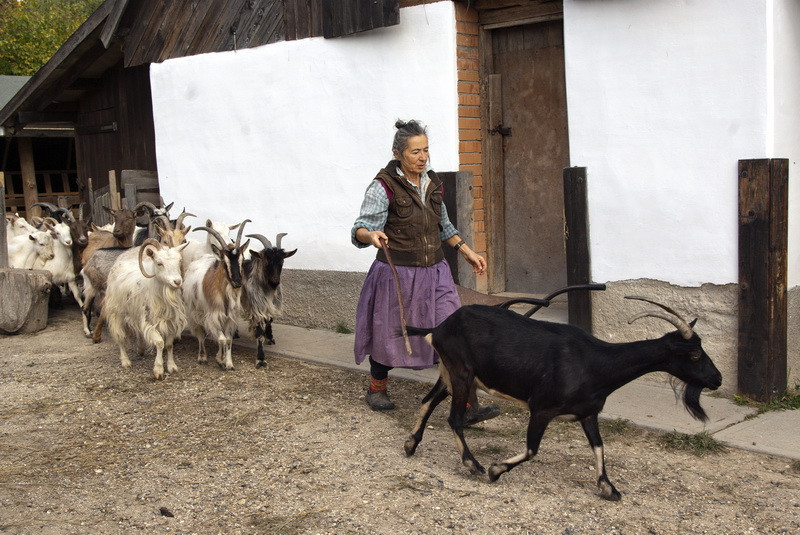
{"type": "Point", "coordinates": [529, 60]}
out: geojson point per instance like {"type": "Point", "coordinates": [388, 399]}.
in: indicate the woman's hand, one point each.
{"type": "Point", "coordinates": [372, 237]}
{"type": "Point", "coordinates": [477, 262]}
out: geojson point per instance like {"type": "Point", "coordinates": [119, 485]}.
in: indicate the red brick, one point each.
{"type": "Point", "coordinates": [469, 135]}
{"type": "Point", "coordinates": [470, 158]}
{"type": "Point", "coordinates": [468, 64]}
{"type": "Point", "coordinates": [469, 123]}
{"type": "Point", "coordinates": [469, 146]}
{"type": "Point", "coordinates": [469, 111]}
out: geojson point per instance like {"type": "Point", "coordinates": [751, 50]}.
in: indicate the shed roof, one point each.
{"type": "Point", "coordinates": [151, 31]}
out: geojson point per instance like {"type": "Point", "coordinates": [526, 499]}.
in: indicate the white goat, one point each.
{"type": "Point", "coordinates": [61, 265]}
{"type": "Point", "coordinates": [17, 226]}
{"type": "Point", "coordinates": [143, 302]}
{"type": "Point", "coordinates": [25, 249]}
{"type": "Point", "coordinates": [212, 294]}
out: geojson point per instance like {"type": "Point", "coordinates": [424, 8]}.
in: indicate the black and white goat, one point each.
{"type": "Point", "coordinates": [261, 295]}
{"type": "Point", "coordinates": [213, 292]}
{"type": "Point", "coordinates": [555, 370]}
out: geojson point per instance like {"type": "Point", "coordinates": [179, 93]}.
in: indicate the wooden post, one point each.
{"type": "Point", "coordinates": [116, 202]}
{"type": "Point", "coordinates": [763, 242]}
{"type": "Point", "coordinates": [29, 188]}
{"type": "Point", "coordinates": [494, 190]}
{"type": "Point", "coordinates": [3, 237]}
{"type": "Point", "coordinates": [576, 239]}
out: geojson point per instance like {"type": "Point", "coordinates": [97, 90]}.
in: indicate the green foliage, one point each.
{"type": "Point", "coordinates": [789, 400]}
{"type": "Point", "coordinates": [342, 328]}
{"type": "Point", "coordinates": [32, 30]}
{"type": "Point", "coordinates": [698, 444]}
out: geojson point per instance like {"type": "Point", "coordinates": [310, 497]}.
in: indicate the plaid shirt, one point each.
{"type": "Point", "coordinates": [375, 210]}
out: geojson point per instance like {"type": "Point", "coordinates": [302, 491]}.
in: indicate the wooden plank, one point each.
{"type": "Point", "coordinates": [516, 15]}
{"type": "Point", "coordinates": [25, 147]}
{"type": "Point", "coordinates": [763, 201]}
{"type": "Point", "coordinates": [576, 239]}
{"type": "Point", "coordinates": [113, 190]}
{"type": "Point", "coordinates": [3, 237]}
{"type": "Point", "coordinates": [494, 190]}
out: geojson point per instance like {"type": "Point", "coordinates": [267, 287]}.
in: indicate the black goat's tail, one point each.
{"type": "Point", "coordinates": [418, 331]}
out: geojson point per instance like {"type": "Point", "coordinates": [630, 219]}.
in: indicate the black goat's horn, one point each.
{"type": "Point", "coordinates": [145, 204]}
{"type": "Point", "coordinates": [263, 239]}
{"type": "Point", "coordinates": [675, 318]}
{"type": "Point", "coordinates": [278, 239]}
{"type": "Point", "coordinates": [241, 230]}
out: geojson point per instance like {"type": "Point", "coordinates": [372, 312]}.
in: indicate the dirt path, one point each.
{"type": "Point", "coordinates": [87, 447]}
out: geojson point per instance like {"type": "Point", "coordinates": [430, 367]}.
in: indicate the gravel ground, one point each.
{"type": "Point", "coordinates": [87, 447]}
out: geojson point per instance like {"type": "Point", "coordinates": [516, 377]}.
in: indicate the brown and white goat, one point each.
{"type": "Point", "coordinates": [213, 295]}
{"type": "Point", "coordinates": [555, 370]}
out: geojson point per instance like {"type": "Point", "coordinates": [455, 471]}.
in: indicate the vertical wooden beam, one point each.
{"type": "Point", "coordinates": [29, 189]}
{"type": "Point", "coordinates": [3, 237]}
{"type": "Point", "coordinates": [113, 190]}
{"type": "Point", "coordinates": [763, 242]}
{"type": "Point", "coordinates": [494, 189]}
{"type": "Point", "coordinates": [576, 239]}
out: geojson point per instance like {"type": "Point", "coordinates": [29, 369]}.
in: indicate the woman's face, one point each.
{"type": "Point", "coordinates": [414, 158]}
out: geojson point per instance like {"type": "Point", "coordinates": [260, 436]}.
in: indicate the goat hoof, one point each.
{"type": "Point", "coordinates": [410, 446]}
{"type": "Point", "coordinates": [261, 364]}
{"type": "Point", "coordinates": [271, 342]}
{"type": "Point", "coordinates": [608, 491]}
{"type": "Point", "coordinates": [475, 468]}
{"type": "Point", "coordinates": [495, 471]}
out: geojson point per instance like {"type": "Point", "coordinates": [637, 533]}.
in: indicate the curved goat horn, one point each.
{"type": "Point", "coordinates": [675, 318]}
{"type": "Point", "coordinates": [147, 243]}
{"type": "Point", "coordinates": [52, 208]}
{"type": "Point", "coordinates": [164, 222]}
{"type": "Point", "coordinates": [241, 230]}
{"type": "Point", "coordinates": [214, 233]}
{"type": "Point", "coordinates": [145, 204]}
{"type": "Point", "coordinates": [263, 239]}
{"type": "Point", "coordinates": [179, 221]}
{"type": "Point", "coordinates": [279, 238]}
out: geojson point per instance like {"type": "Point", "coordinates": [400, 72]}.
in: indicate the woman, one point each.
{"type": "Point", "coordinates": [403, 207]}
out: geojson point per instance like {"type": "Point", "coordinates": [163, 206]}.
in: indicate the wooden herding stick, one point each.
{"type": "Point", "coordinates": [385, 246]}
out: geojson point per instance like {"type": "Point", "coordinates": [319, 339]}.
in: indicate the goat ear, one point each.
{"type": "Point", "coordinates": [290, 253]}
{"type": "Point", "coordinates": [169, 206]}
{"type": "Point", "coordinates": [691, 324]}
{"type": "Point", "coordinates": [107, 209]}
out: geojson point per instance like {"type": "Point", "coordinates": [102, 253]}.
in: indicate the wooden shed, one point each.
{"type": "Point", "coordinates": [95, 90]}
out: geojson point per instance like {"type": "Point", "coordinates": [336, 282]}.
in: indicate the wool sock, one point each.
{"type": "Point", "coordinates": [377, 385]}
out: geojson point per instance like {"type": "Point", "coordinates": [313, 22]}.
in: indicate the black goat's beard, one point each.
{"type": "Point", "coordinates": [691, 400]}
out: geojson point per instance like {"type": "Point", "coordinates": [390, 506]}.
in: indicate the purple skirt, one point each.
{"type": "Point", "coordinates": [429, 296]}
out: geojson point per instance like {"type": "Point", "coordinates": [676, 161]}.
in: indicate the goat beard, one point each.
{"type": "Point", "coordinates": [691, 398]}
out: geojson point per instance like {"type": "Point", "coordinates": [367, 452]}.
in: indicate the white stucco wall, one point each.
{"type": "Point", "coordinates": [786, 105]}
{"type": "Point", "coordinates": [664, 97]}
{"type": "Point", "coordinates": [290, 134]}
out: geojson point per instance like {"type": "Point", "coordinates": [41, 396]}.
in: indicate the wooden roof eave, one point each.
{"type": "Point", "coordinates": [67, 54]}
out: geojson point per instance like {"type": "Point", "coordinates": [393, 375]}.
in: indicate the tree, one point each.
{"type": "Point", "coordinates": [32, 30]}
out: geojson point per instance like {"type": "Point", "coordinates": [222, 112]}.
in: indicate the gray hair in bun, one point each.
{"type": "Point", "coordinates": [406, 130]}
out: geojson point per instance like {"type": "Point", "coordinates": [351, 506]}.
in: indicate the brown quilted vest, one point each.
{"type": "Point", "coordinates": [413, 228]}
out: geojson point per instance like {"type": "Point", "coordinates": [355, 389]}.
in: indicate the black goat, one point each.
{"type": "Point", "coordinates": [555, 370]}
{"type": "Point", "coordinates": [262, 296]}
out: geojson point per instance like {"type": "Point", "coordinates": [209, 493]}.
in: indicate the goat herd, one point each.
{"type": "Point", "coordinates": [149, 283]}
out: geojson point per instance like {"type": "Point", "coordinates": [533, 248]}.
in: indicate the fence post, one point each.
{"type": "Point", "coordinates": [3, 236]}
{"type": "Point", "coordinates": [763, 241]}
{"type": "Point", "coordinates": [576, 241]}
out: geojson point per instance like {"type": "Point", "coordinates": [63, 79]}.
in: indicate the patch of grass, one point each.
{"type": "Point", "coordinates": [618, 426]}
{"type": "Point", "coordinates": [789, 400]}
{"type": "Point", "coordinates": [699, 444]}
{"type": "Point", "coordinates": [342, 328]}
{"type": "Point", "coordinates": [796, 466]}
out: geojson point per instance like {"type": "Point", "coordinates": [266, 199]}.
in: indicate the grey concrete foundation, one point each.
{"type": "Point", "coordinates": [793, 337]}
{"type": "Point", "coordinates": [320, 299]}
{"type": "Point", "coordinates": [715, 307]}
